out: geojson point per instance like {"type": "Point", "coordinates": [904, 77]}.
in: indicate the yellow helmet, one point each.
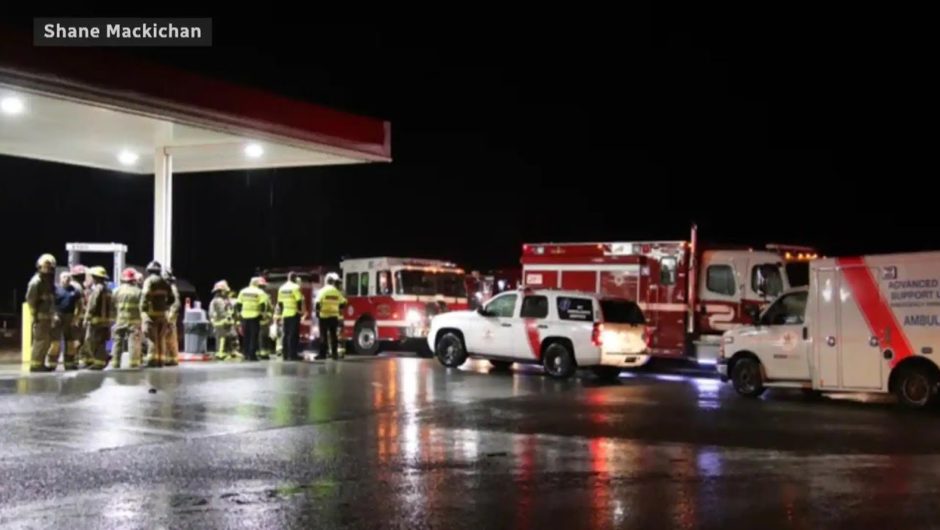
{"type": "Point", "coordinates": [46, 259]}
{"type": "Point", "coordinates": [99, 272]}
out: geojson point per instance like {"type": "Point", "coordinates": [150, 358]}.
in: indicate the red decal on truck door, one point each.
{"type": "Point", "coordinates": [881, 321]}
{"type": "Point", "coordinates": [532, 333]}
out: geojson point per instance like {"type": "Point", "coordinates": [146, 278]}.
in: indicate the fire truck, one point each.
{"type": "Point", "coordinates": [393, 299]}
{"type": "Point", "coordinates": [311, 280]}
{"type": "Point", "coordinates": [690, 294]}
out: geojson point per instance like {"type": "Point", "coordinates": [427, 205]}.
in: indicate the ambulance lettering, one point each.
{"type": "Point", "coordinates": [721, 317]}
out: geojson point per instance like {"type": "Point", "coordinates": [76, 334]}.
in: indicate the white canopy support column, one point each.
{"type": "Point", "coordinates": [163, 207]}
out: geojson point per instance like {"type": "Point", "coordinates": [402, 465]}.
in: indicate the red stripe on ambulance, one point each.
{"type": "Point", "coordinates": [878, 315]}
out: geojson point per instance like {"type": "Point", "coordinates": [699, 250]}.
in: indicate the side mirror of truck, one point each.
{"type": "Point", "coordinates": [483, 312]}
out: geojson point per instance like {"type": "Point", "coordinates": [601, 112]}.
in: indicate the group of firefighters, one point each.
{"type": "Point", "coordinates": [263, 321]}
{"type": "Point", "coordinates": [82, 313]}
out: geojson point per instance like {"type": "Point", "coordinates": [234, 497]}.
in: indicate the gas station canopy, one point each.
{"type": "Point", "coordinates": [90, 108]}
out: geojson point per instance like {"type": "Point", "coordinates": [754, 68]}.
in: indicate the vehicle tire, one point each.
{"type": "Point", "coordinates": [606, 373]}
{"type": "Point", "coordinates": [915, 387]}
{"type": "Point", "coordinates": [450, 350]}
{"type": "Point", "coordinates": [558, 361]}
{"type": "Point", "coordinates": [747, 378]}
{"type": "Point", "coordinates": [501, 365]}
{"type": "Point", "coordinates": [365, 338]}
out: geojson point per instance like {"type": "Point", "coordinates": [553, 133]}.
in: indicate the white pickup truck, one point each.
{"type": "Point", "coordinates": [561, 330]}
{"type": "Point", "coordinates": [865, 324]}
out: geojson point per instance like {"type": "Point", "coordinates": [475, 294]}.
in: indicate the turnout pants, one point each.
{"type": "Point", "coordinates": [252, 337]}
{"type": "Point", "coordinates": [329, 343]}
{"type": "Point", "coordinates": [156, 332]}
{"type": "Point", "coordinates": [67, 336]}
{"type": "Point", "coordinates": [126, 339]}
{"type": "Point", "coordinates": [42, 340]}
{"type": "Point", "coordinates": [291, 338]}
{"type": "Point", "coordinates": [96, 338]}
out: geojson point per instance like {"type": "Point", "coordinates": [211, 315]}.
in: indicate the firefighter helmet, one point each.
{"type": "Point", "coordinates": [129, 275]}
{"type": "Point", "coordinates": [332, 278]}
{"type": "Point", "coordinates": [255, 281]}
{"type": "Point", "coordinates": [77, 270]}
{"type": "Point", "coordinates": [46, 259]}
{"type": "Point", "coordinates": [99, 272]}
{"type": "Point", "coordinates": [221, 286]}
{"type": "Point", "coordinates": [154, 267]}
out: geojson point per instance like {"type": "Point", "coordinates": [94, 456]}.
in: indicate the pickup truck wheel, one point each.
{"type": "Point", "coordinates": [606, 373]}
{"type": "Point", "coordinates": [558, 361]}
{"type": "Point", "coordinates": [450, 350]}
{"type": "Point", "coordinates": [501, 365]}
{"type": "Point", "coordinates": [365, 339]}
{"type": "Point", "coordinates": [915, 387]}
{"type": "Point", "coordinates": [747, 378]}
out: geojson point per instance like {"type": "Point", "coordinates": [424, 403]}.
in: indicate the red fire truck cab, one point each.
{"type": "Point", "coordinates": [690, 295]}
{"type": "Point", "coordinates": [393, 299]}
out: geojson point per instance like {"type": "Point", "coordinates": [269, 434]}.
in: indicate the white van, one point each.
{"type": "Point", "coordinates": [865, 324]}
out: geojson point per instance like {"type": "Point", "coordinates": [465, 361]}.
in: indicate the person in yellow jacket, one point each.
{"type": "Point", "coordinates": [252, 302]}
{"type": "Point", "coordinates": [98, 319]}
{"type": "Point", "coordinates": [126, 332]}
{"type": "Point", "coordinates": [329, 305]}
{"type": "Point", "coordinates": [265, 342]}
{"type": "Point", "coordinates": [155, 301]}
{"type": "Point", "coordinates": [221, 314]}
{"type": "Point", "coordinates": [172, 318]}
{"type": "Point", "coordinates": [290, 306]}
{"type": "Point", "coordinates": [40, 297]}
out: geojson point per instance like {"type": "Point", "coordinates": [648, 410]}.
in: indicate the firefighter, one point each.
{"type": "Point", "coordinates": [329, 306]}
{"type": "Point", "coordinates": [40, 297]}
{"type": "Point", "coordinates": [66, 325]}
{"type": "Point", "coordinates": [98, 319]}
{"type": "Point", "coordinates": [155, 302]}
{"type": "Point", "coordinates": [172, 315]}
{"type": "Point", "coordinates": [222, 317]}
{"type": "Point", "coordinates": [266, 344]}
{"type": "Point", "coordinates": [252, 303]}
{"type": "Point", "coordinates": [237, 327]}
{"type": "Point", "coordinates": [290, 307]}
{"type": "Point", "coordinates": [127, 322]}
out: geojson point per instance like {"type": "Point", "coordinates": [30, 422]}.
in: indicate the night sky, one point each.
{"type": "Point", "coordinates": [760, 129]}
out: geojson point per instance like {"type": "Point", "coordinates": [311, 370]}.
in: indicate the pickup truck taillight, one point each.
{"type": "Point", "coordinates": [647, 337]}
{"type": "Point", "coordinates": [597, 334]}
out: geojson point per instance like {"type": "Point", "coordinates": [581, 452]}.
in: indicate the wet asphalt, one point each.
{"type": "Point", "coordinates": [392, 442]}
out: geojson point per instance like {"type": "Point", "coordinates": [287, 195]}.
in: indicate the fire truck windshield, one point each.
{"type": "Point", "coordinates": [769, 277]}
{"type": "Point", "coordinates": [419, 282]}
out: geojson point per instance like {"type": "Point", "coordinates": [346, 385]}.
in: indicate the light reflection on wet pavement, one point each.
{"type": "Point", "coordinates": [405, 443]}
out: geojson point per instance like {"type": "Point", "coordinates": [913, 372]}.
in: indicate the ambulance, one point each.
{"type": "Point", "coordinates": [690, 293]}
{"type": "Point", "coordinates": [394, 299]}
{"type": "Point", "coordinates": [863, 324]}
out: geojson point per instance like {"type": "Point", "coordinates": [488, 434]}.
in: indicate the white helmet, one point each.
{"type": "Point", "coordinates": [332, 278]}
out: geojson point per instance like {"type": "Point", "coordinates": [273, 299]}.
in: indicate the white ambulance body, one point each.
{"type": "Point", "coordinates": [865, 324]}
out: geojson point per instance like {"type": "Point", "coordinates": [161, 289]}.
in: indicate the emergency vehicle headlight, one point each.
{"type": "Point", "coordinates": [413, 316]}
